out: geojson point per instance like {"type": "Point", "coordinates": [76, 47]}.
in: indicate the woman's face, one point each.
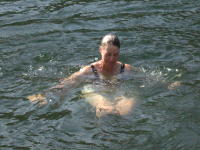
{"type": "Point", "coordinates": [109, 54]}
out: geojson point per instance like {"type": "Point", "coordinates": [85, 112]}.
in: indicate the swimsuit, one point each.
{"type": "Point", "coordinates": [94, 70]}
{"type": "Point", "coordinates": [103, 87]}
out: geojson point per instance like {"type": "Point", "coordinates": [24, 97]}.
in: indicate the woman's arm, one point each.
{"type": "Point", "coordinates": [64, 86]}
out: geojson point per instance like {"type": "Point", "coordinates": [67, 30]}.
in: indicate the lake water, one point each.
{"type": "Point", "coordinates": [44, 41]}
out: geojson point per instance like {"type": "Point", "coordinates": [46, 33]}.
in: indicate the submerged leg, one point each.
{"type": "Point", "coordinates": [124, 105]}
{"type": "Point", "coordinates": [102, 105]}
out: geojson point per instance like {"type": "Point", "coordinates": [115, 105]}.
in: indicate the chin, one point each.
{"type": "Point", "coordinates": [113, 62]}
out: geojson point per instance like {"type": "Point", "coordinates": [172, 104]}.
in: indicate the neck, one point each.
{"type": "Point", "coordinates": [108, 69]}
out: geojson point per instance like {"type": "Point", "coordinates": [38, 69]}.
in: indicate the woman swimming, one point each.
{"type": "Point", "coordinates": [105, 73]}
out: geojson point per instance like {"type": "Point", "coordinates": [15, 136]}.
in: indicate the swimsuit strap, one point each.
{"type": "Point", "coordinates": [94, 70]}
{"type": "Point", "coordinates": [122, 68]}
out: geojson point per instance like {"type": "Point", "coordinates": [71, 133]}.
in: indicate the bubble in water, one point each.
{"type": "Point", "coordinates": [30, 68]}
{"type": "Point", "coordinates": [41, 68]}
{"type": "Point", "coordinates": [168, 69]}
{"type": "Point", "coordinates": [1, 73]}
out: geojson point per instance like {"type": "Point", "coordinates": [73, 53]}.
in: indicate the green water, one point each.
{"type": "Point", "coordinates": [44, 41]}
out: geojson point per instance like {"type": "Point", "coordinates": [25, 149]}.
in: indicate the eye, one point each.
{"type": "Point", "coordinates": [109, 54]}
{"type": "Point", "coordinates": [116, 55]}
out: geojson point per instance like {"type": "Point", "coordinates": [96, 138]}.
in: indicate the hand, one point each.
{"type": "Point", "coordinates": [174, 85]}
{"type": "Point", "coordinates": [38, 98]}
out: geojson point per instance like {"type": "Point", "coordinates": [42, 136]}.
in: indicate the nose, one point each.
{"type": "Point", "coordinates": [112, 58]}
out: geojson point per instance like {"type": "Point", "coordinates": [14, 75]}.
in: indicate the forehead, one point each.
{"type": "Point", "coordinates": [112, 48]}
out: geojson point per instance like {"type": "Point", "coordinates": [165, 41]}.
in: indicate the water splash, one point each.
{"type": "Point", "coordinates": [43, 71]}
{"type": "Point", "coordinates": [158, 75]}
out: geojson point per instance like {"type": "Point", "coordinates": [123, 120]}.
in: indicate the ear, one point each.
{"type": "Point", "coordinates": [101, 50]}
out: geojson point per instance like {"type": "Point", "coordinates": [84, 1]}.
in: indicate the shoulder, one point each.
{"type": "Point", "coordinates": [129, 67]}
{"type": "Point", "coordinates": [86, 70]}
{"type": "Point", "coordinates": [81, 74]}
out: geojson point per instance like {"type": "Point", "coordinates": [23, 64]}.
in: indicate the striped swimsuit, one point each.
{"type": "Point", "coordinates": [94, 70]}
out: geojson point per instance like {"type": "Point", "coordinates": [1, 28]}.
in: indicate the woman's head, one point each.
{"type": "Point", "coordinates": [109, 48]}
{"type": "Point", "coordinates": [110, 39]}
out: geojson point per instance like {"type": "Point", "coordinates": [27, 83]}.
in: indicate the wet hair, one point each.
{"type": "Point", "coordinates": [110, 39]}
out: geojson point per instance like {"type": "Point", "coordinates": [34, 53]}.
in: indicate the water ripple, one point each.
{"type": "Point", "coordinates": [43, 41]}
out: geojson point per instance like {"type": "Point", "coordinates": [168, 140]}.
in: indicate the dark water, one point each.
{"type": "Point", "coordinates": [44, 41]}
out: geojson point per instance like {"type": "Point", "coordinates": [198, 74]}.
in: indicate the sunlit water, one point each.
{"type": "Point", "coordinates": [42, 42]}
